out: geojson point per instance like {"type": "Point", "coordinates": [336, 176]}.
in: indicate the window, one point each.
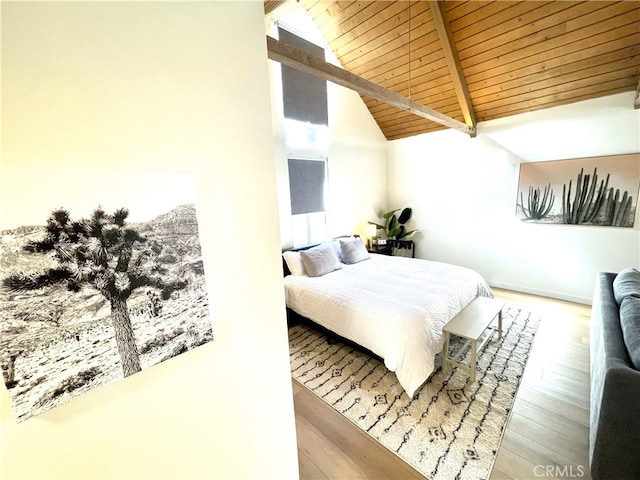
{"type": "Point", "coordinates": [306, 133]}
{"type": "Point", "coordinates": [307, 189]}
{"type": "Point", "coordinates": [305, 101]}
{"type": "Point", "coordinates": [305, 136]}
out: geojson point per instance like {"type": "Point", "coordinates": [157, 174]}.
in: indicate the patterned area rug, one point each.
{"type": "Point", "coordinates": [452, 428]}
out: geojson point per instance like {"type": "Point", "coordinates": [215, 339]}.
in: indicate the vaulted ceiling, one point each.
{"type": "Point", "coordinates": [480, 60]}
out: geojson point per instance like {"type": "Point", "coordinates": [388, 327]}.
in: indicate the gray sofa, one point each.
{"type": "Point", "coordinates": [614, 439]}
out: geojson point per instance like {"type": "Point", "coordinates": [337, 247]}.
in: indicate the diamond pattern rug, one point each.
{"type": "Point", "coordinates": [452, 428]}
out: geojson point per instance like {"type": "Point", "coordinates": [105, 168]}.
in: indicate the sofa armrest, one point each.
{"type": "Point", "coordinates": [614, 437]}
{"type": "Point", "coordinates": [614, 453]}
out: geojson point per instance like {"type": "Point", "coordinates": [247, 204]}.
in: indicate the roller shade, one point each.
{"type": "Point", "coordinates": [304, 96]}
{"type": "Point", "coordinates": [306, 185]}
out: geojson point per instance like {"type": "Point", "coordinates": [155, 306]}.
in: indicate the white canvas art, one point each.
{"type": "Point", "coordinates": [92, 296]}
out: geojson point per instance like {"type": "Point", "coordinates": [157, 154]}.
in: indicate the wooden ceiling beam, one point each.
{"type": "Point", "coordinates": [300, 60]}
{"type": "Point", "coordinates": [451, 55]}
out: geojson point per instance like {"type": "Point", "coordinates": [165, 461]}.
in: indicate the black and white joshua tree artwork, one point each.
{"type": "Point", "coordinates": [597, 191]}
{"type": "Point", "coordinates": [93, 294]}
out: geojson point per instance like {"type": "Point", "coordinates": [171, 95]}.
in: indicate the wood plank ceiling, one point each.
{"type": "Point", "coordinates": [514, 56]}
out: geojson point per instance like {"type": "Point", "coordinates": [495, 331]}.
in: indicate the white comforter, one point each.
{"type": "Point", "coordinates": [394, 306]}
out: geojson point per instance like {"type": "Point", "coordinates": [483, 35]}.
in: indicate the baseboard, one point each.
{"type": "Point", "coordinates": [543, 293]}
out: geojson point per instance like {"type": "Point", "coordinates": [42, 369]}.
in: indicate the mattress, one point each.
{"type": "Point", "coordinates": [393, 306]}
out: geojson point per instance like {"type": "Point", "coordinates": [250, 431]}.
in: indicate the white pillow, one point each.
{"type": "Point", "coordinates": [294, 262]}
{"type": "Point", "coordinates": [353, 251]}
{"type": "Point", "coordinates": [320, 261]}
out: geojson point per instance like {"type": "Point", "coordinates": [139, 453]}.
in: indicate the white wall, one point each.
{"type": "Point", "coordinates": [357, 155]}
{"type": "Point", "coordinates": [159, 87]}
{"type": "Point", "coordinates": [463, 194]}
{"type": "Point", "coordinates": [598, 127]}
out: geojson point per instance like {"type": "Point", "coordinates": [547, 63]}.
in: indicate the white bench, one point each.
{"type": "Point", "coordinates": [471, 323]}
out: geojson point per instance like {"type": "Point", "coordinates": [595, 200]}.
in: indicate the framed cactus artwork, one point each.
{"type": "Point", "coordinates": [105, 284]}
{"type": "Point", "coordinates": [595, 191]}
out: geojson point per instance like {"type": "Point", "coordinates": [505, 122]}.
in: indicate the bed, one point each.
{"type": "Point", "coordinates": [394, 307]}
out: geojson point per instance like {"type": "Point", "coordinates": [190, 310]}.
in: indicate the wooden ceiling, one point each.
{"type": "Point", "coordinates": [499, 58]}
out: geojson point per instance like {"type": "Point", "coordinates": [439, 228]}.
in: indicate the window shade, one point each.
{"type": "Point", "coordinates": [304, 96]}
{"type": "Point", "coordinates": [306, 185]}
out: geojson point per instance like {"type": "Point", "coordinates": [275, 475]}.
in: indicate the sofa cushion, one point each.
{"type": "Point", "coordinates": [626, 283]}
{"type": "Point", "coordinates": [630, 324]}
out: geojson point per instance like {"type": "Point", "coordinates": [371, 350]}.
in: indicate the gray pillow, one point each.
{"type": "Point", "coordinates": [630, 323]}
{"type": "Point", "coordinates": [334, 244]}
{"type": "Point", "coordinates": [626, 283]}
{"type": "Point", "coordinates": [320, 261]}
{"type": "Point", "coordinates": [353, 251]}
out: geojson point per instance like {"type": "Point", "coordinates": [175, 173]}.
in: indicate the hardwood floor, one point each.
{"type": "Point", "coordinates": [547, 435]}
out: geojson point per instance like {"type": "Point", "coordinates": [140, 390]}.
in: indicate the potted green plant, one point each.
{"type": "Point", "coordinates": [394, 225]}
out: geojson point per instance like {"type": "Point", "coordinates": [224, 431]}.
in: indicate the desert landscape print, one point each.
{"type": "Point", "coordinates": [597, 191]}
{"type": "Point", "coordinates": [89, 301]}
